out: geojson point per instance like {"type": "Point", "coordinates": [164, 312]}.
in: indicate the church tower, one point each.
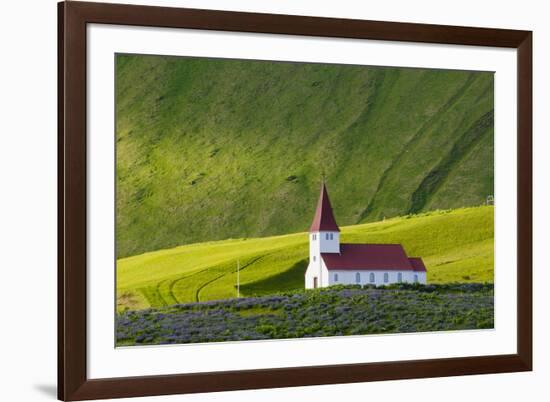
{"type": "Point", "coordinates": [324, 237]}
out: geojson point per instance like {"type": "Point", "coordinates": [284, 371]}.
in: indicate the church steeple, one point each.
{"type": "Point", "coordinates": [323, 220]}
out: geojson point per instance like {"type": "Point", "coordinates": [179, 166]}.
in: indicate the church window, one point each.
{"type": "Point", "coordinates": [415, 278]}
{"type": "Point", "coordinates": [335, 277]}
{"type": "Point", "coordinates": [400, 277]}
{"type": "Point", "coordinates": [331, 236]}
{"type": "Point", "coordinates": [371, 277]}
{"type": "Point", "coordinates": [386, 277]}
{"type": "Point", "coordinates": [326, 236]}
{"type": "Point", "coordinates": [314, 258]}
{"type": "Point", "coordinates": [358, 277]}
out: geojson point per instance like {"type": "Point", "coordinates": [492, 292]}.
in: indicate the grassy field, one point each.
{"type": "Point", "coordinates": [198, 136]}
{"type": "Point", "coordinates": [456, 245]}
{"type": "Point", "coordinates": [335, 311]}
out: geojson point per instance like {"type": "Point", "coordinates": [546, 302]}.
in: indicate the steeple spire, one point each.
{"type": "Point", "coordinates": [324, 218]}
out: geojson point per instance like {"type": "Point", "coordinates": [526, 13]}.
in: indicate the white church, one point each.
{"type": "Point", "coordinates": [333, 263]}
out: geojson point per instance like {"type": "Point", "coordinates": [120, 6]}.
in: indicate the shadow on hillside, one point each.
{"type": "Point", "coordinates": [290, 279]}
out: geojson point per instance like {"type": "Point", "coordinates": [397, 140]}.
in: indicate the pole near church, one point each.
{"type": "Point", "coordinates": [238, 283]}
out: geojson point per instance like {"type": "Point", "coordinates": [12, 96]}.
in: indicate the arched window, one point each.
{"type": "Point", "coordinates": [326, 236]}
{"type": "Point", "coordinates": [400, 277]}
{"type": "Point", "coordinates": [358, 277]}
{"type": "Point", "coordinates": [371, 277]}
{"type": "Point", "coordinates": [331, 236]}
{"type": "Point", "coordinates": [415, 278]}
{"type": "Point", "coordinates": [335, 277]}
{"type": "Point", "coordinates": [314, 258]}
{"type": "Point", "coordinates": [386, 277]}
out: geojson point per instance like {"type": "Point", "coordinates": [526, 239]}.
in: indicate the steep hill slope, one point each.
{"type": "Point", "coordinates": [456, 246]}
{"type": "Point", "coordinates": [215, 149]}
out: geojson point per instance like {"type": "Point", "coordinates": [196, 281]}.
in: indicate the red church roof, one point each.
{"type": "Point", "coordinates": [387, 257]}
{"type": "Point", "coordinates": [324, 218]}
{"type": "Point", "coordinates": [417, 264]}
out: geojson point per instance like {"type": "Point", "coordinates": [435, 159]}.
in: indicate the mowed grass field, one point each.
{"type": "Point", "coordinates": [456, 245]}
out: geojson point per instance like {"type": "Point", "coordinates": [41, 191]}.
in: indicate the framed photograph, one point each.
{"type": "Point", "coordinates": [254, 200]}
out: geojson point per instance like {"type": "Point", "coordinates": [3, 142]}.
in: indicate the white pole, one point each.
{"type": "Point", "coordinates": [238, 284]}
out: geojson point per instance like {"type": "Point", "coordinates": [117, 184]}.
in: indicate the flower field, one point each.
{"type": "Point", "coordinates": [334, 311]}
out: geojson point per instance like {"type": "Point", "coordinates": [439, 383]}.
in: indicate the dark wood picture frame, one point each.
{"type": "Point", "coordinates": [73, 383]}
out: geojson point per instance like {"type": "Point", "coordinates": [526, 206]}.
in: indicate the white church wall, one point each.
{"type": "Point", "coordinates": [326, 242]}
{"type": "Point", "coordinates": [310, 274]}
{"type": "Point", "coordinates": [313, 269]}
{"type": "Point", "coordinates": [325, 275]}
{"type": "Point", "coordinates": [422, 277]}
{"type": "Point", "coordinates": [319, 270]}
{"type": "Point", "coordinates": [314, 246]}
{"type": "Point", "coordinates": [349, 277]}
{"type": "Point", "coordinates": [320, 242]}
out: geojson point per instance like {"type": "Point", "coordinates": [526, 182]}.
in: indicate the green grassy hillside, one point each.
{"type": "Point", "coordinates": [457, 246]}
{"type": "Point", "coordinates": [217, 149]}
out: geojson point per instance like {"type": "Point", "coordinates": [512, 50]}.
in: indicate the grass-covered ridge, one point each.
{"type": "Point", "coordinates": [456, 246]}
{"type": "Point", "coordinates": [216, 149]}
